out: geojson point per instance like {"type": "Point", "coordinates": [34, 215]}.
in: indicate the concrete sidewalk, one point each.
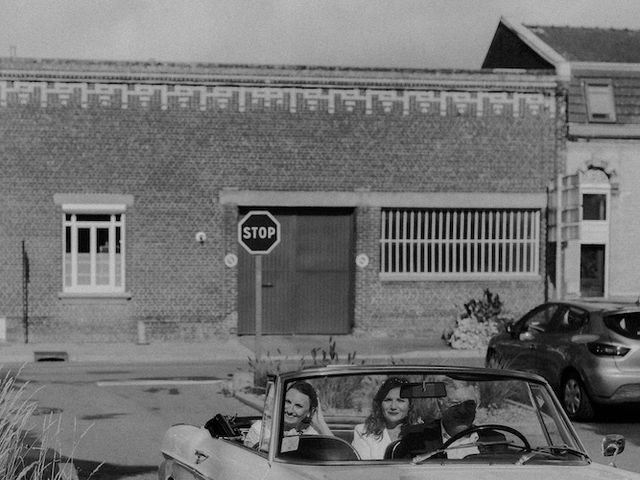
{"type": "Point", "coordinates": [234, 348]}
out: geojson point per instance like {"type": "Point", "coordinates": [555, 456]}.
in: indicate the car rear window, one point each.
{"type": "Point", "coordinates": [626, 324]}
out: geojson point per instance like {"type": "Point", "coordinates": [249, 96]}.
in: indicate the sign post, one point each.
{"type": "Point", "coordinates": [258, 233]}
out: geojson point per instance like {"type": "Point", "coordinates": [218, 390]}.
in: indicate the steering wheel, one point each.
{"type": "Point", "coordinates": [488, 426]}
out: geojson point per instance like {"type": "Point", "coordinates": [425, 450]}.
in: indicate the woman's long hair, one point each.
{"type": "Point", "coordinates": [375, 422]}
{"type": "Point", "coordinates": [306, 389]}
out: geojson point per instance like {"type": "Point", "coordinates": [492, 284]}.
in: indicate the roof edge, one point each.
{"type": "Point", "coordinates": [562, 66]}
{"type": "Point", "coordinates": [627, 131]}
{"type": "Point", "coordinates": [24, 69]}
{"type": "Point", "coordinates": [606, 66]}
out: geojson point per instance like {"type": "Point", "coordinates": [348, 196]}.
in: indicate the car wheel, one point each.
{"type": "Point", "coordinates": [575, 400]}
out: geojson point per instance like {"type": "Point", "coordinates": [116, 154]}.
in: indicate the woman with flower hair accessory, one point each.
{"type": "Point", "coordinates": [389, 414]}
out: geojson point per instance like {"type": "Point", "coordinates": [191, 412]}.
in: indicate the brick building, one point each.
{"type": "Point", "coordinates": [401, 194]}
{"type": "Point", "coordinates": [597, 195]}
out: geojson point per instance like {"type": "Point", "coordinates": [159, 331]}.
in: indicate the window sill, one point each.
{"type": "Point", "coordinates": [457, 277]}
{"type": "Point", "coordinates": [72, 297]}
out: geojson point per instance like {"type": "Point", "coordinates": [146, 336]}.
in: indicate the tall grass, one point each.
{"type": "Point", "coordinates": [320, 357]}
{"type": "Point", "coordinates": [21, 457]}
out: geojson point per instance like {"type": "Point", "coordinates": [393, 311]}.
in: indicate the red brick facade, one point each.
{"type": "Point", "coordinates": [181, 138]}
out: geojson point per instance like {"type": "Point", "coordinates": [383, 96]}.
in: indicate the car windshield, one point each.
{"type": "Point", "coordinates": [423, 416]}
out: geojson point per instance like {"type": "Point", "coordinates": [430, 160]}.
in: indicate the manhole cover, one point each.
{"type": "Point", "coordinates": [50, 356]}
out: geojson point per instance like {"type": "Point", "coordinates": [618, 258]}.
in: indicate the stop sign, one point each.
{"type": "Point", "coordinates": [259, 232]}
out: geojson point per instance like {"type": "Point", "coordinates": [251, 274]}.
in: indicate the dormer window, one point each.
{"type": "Point", "coordinates": [600, 102]}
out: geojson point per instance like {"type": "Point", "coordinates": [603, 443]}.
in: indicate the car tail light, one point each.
{"type": "Point", "coordinates": [607, 349]}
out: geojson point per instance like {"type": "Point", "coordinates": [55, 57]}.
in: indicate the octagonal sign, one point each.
{"type": "Point", "coordinates": [259, 232]}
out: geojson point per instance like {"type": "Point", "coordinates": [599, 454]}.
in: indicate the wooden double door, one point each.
{"type": "Point", "coordinates": [307, 280]}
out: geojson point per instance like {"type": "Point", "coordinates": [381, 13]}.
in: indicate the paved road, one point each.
{"type": "Point", "coordinates": [624, 421]}
{"type": "Point", "coordinates": [117, 414]}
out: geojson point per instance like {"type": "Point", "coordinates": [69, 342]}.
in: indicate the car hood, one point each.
{"type": "Point", "coordinates": [451, 472]}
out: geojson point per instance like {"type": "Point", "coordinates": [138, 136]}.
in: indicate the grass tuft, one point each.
{"type": "Point", "coordinates": [21, 456]}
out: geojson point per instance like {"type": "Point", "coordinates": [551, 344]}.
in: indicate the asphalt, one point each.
{"type": "Point", "coordinates": [243, 348]}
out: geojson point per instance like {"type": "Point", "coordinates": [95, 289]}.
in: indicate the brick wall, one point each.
{"type": "Point", "coordinates": [175, 162]}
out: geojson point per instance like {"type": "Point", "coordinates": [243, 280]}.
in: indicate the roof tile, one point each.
{"type": "Point", "coordinates": [586, 44]}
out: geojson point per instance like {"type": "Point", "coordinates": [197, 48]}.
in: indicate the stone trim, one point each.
{"type": "Point", "coordinates": [382, 199]}
{"type": "Point", "coordinates": [594, 130]}
{"type": "Point", "coordinates": [92, 203]}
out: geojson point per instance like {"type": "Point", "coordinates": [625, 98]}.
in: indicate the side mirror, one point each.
{"type": "Point", "coordinates": [612, 445]}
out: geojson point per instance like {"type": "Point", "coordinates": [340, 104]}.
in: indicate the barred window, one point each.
{"type": "Point", "coordinates": [461, 242]}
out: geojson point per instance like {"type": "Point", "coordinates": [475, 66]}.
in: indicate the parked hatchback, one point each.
{"type": "Point", "coordinates": [589, 351]}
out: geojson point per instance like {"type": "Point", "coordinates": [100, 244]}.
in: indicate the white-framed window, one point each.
{"type": "Point", "coordinates": [94, 257]}
{"type": "Point", "coordinates": [600, 101]}
{"type": "Point", "coordinates": [93, 243]}
{"type": "Point", "coordinates": [594, 206]}
{"type": "Point", "coordinates": [459, 243]}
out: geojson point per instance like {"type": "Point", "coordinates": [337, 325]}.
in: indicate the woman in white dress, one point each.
{"type": "Point", "coordinates": [302, 415]}
{"type": "Point", "coordinates": [389, 413]}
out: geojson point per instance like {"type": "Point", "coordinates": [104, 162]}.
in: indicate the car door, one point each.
{"type": "Point", "coordinates": [555, 348]}
{"type": "Point", "coordinates": [520, 350]}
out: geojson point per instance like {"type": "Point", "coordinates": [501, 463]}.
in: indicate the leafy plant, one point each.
{"type": "Point", "coordinates": [488, 308]}
{"type": "Point", "coordinates": [480, 320]}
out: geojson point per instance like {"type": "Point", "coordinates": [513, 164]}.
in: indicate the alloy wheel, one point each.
{"type": "Point", "coordinates": [572, 396]}
{"type": "Point", "coordinates": [575, 399]}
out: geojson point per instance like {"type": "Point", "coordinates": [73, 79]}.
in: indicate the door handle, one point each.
{"type": "Point", "coordinates": [267, 285]}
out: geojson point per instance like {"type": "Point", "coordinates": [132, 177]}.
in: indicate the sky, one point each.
{"type": "Point", "coordinates": [429, 34]}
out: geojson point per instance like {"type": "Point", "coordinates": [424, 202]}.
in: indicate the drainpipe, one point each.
{"type": "Point", "coordinates": [25, 293]}
{"type": "Point", "coordinates": [559, 249]}
{"type": "Point", "coordinates": [546, 249]}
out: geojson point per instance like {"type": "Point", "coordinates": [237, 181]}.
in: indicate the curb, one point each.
{"type": "Point", "coordinates": [252, 401]}
{"type": "Point", "coordinates": [118, 353]}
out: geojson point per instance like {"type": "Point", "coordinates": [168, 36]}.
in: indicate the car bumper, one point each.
{"type": "Point", "coordinates": [611, 385]}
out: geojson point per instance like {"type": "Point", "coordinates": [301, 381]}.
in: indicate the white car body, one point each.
{"type": "Point", "coordinates": [195, 452]}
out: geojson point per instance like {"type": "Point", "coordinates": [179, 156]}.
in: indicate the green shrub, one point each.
{"type": "Point", "coordinates": [480, 320]}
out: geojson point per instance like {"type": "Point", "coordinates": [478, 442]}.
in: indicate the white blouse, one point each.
{"type": "Point", "coordinates": [253, 435]}
{"type": "Point", "coordinates": [368, 446]}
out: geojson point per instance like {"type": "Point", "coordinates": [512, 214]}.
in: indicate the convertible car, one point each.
{"type": "Point", "coordinates": [518, 430]}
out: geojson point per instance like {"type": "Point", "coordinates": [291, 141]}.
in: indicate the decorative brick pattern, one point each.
{"type": "Point", "coordinates": [294, 100]}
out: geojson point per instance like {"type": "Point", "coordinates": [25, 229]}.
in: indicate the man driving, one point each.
{"type": "Point", "coordinates": [457, 413]}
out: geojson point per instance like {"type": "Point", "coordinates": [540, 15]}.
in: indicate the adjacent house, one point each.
{"type": "Point", "coordinates": [596, 198]}
{"type": "Point", "coordinates": [401, 194]}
